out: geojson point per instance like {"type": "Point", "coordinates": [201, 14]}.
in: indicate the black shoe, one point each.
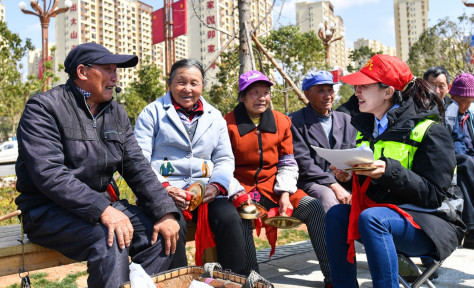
{"type": "Point", "coordinates": [469, 240]}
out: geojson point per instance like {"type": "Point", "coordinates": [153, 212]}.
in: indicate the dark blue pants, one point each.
{"type": "Point", "coordinates": [54, 227]}
{"type": "Point", "coordinates": [465, 181]}
{"type": "Point", "coordinates": [383, 232]}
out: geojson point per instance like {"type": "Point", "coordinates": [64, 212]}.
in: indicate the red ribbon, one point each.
{"type": "Point", "coordinates": [360, 202]}
{"type": "Point", "coordinates": [204, 238]}
{"type": "Point", "coordinates": [189, 196]}
{"type": "Point", "coordinates": [113, 196]}
{"type": "Point", "coordinates": [240, 200]}
{"type": "Point", "coordinates": [270, 231]}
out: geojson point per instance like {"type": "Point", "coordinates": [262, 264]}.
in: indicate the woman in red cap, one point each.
{"type": "Point", "coordinates": [266, 168]}
{"type": "Point", "coordinates": [396, 201]}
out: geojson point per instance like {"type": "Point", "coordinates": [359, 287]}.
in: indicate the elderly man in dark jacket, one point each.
{"type": "Point", "coordinates": [71, 140]}
{"type": "Point", "coordinates": [318, 125]}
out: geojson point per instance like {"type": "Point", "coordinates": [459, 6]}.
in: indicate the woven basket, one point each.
{"type": "Point", "coordinates": [182, 278]}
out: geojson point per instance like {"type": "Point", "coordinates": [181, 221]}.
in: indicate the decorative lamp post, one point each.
{"type": "Point", "coordinates": [48, 11]}
{"type": "Point", "coordinates": [326, 33]}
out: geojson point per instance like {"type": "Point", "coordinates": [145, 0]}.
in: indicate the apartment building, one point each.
{"type": "Point", "coordinates": [34, 58]}
{"type": "Point", "coordinates": [375, 46]}
{"type": "Point", "coordinates": [122, 26]}
{"type": "Point", "coordinates": [411, 19]}
{"type": "Point", "coordinates": [2, 12]}
{"type": "Point", "coordinates": [308, 17]}
{"type": "Point", "coordinates": [212, 23]}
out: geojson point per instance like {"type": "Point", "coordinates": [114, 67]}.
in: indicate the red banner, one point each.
{"type": "Point", "coordinates": [180, 23]}
{"type": "Point", "coordinates": [158, 26]}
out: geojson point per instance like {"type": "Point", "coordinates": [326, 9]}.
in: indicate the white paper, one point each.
{"type": "Point", "coordinates": [198, 284]}
{"type": "Point", "coordinates": [139, 278]}
{"type": "Point", "coordinates": [346, 158]}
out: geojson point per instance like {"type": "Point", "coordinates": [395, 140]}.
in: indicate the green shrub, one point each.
{"type": "Point", "coordinates": [8, 194]}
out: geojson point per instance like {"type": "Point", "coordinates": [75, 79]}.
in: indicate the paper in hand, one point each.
{"type": "Point", "coordinates": [346, 159]}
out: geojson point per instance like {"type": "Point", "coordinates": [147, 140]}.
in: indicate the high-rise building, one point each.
{"type": "Point", "coordinates": [34, 58]}
{"type": "Point", "coordinates": [411, 19]}
{"type": "Point", "coordinates": [122, 26]}
{"type": "Point", "coordinates": [2, 12]}
{"type": "Point", "coordinates": [212, 23]}
{"type": "Point", "coordinates": [375, 46]}
{"type": "Point", "coordinates": [308, 17]}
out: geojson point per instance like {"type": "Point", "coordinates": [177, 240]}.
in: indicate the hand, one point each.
{"type": "Point", "coordinates": [211, 192]}
{"type": "Point", "coordinates": [168, 227]}
{"type": "Point", "coordinates": [341, 175]}
{"type": "Point", "coordinates": [249, 200]}
{"type": "Point", "coordinates": [179, 197]}
{"type": "Point", "coordinates": [342, 195]}
{"type": "Point", "coordinates": [374, 174]}
{"type": "Point", "coordinates": [117, 223]}
{"type": "Point", "coordinates": [284, 203]}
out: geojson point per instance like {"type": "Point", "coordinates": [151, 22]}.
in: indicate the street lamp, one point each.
{"type": "Point", "coordinates": [48, 11]}
{"type": "Point", "coordinates": [326, 32]}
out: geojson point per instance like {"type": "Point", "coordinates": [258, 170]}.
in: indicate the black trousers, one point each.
{"type": "Point", "coordinates": [466, 183]}
{"type": "Point", "coordinates": [226, 225]}
{"type": "Point", "coordinates": [54, 227]}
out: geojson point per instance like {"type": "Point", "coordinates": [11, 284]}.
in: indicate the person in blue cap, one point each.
{"type": "Point", "coordinates": [71, 141]}
{"type": "Point", "coordinates": [317, 124]}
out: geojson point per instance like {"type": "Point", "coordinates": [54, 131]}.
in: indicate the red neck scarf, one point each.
{"type": "Point", "coordinates": [360, 202]}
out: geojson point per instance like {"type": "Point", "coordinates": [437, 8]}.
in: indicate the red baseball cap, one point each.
{"type": "Point", "coordinates": [386, 69]}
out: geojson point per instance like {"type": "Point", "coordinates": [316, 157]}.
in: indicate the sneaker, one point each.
{"type": "Point", "coordinates": [469, 240]}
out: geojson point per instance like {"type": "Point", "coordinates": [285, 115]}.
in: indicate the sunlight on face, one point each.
{"type": "Point", "coordinates": [256, 99]}
{"type": "Point", "coordinates": [186, 87]}
{"type": "Point", "coordinates": [321, 98]}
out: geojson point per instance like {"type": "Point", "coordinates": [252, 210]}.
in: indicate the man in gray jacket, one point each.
{"type": "Point", "coordinates": [71, 140]}
{"type": "Point", "coordinates": [318, 125]}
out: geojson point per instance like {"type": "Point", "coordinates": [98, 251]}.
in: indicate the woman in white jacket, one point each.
{"type": "Point", "coordinates": [186, 140]}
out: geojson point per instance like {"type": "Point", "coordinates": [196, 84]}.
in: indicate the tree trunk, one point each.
{"type": "Point", "coordinates": [244, 43]}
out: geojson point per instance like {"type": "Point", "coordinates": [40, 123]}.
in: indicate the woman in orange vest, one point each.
{"type": "Point", "coordinates": [265, 165]}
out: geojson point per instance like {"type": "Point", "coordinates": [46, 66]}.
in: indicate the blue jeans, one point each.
{"type": "Point", "coordinates": [383, 232]}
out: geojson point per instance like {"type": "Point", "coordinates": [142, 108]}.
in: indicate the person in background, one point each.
{"type": "Point", "coordinates": [72, 139]}
{"type": "Point", "coordinates": [393, 198]}
{"type": "Point", "coordinates": [186, 140]}
{"type": "Point", "coordinates": [265, 165]}
{"type": "Point", "coordinates": [462, 91]}
{"type": "Point", "coordinates": [439, 77]}
{"type": "Point", "coordinates": [318, 125]}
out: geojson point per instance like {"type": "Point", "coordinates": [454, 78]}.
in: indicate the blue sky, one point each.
{"type": "Point", "coordinates": [371, 19]}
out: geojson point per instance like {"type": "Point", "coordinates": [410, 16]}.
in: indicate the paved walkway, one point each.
{"type": "Point", "coordinates": [295, 265]}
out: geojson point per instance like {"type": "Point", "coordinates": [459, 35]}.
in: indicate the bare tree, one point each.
{"type": "Point", "coordinates": [245, 44]}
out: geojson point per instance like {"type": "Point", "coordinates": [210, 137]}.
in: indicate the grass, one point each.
{"type": "Point", "coordinates": [38, 280]}
{"type": "Point", "coordinates": [8, 194]}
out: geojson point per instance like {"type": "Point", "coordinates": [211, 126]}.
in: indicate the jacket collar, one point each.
{"type": "Point", "coordinates": [400, 120]}
{"type": "Point", "coordinates": [245, 125]}
{"type": "Point", "coordinates": [81, 99]}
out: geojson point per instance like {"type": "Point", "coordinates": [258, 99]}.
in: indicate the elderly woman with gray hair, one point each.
{"type": "Point", "coordinates": [186, 140]}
